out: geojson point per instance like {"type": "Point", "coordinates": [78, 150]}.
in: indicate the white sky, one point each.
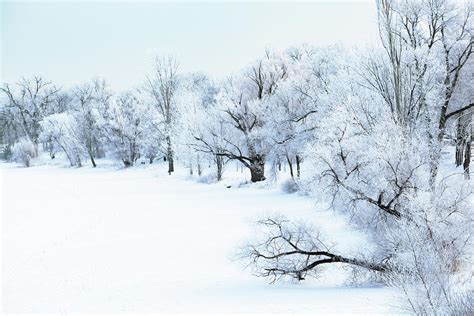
{"type": "Point", "coordinates": [71, 42]}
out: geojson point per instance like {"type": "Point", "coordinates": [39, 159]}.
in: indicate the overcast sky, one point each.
{"type": "Point", "coordinates": [71, 42]}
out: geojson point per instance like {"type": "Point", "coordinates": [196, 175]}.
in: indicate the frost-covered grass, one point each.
{"type": "Point", "coordinates": [121, 240]}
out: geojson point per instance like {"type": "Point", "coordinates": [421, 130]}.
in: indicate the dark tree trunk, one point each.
{"type": "Point", "coordinates": [169, 156]}
{"type": "Point", "coordinates": [298, 167]}
{"type": "Point", "coordinates": [459, 153]}
{"type": "Point", "coordinates": [199, 168]}
{"type": "Point", "coordinates": [220, 167]}
{"type": "Point", "coordinates": [467, 158]}
{"type": "Point", "coordinates": [170, 164]}
{"type": "Point", "coordinates": [257, 168]}
{"type": "Point", "coordinates": [92, 160]}
{"type": "Point", "coordinates": [290, 165]}
{"type": "Point", "coordinates": [463, 142]}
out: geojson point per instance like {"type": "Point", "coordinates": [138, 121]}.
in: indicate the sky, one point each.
{"type": "Point", "coordinates": [70, 42]}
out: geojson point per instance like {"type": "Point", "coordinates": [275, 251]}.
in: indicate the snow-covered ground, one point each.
{"type": "Point", "coordinates": [137, 240]}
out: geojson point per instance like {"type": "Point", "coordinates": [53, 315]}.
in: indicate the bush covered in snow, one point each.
{"type": "Point", "coordinates": [24, 151]}
{"type": "Point", "coordinates": [289, 186]}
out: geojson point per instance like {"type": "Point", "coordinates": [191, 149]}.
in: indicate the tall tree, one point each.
{"type": "Point", "coordinates": [242, 100]}
{"type": "Point", "coordinates": [162, 85]}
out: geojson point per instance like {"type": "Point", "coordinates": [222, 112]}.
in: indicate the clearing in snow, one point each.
{"type": "Point", "coordinates": [107, 240]}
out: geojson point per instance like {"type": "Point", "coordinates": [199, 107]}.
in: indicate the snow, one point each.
{"type": "Point", "coordinates": [115, 240]}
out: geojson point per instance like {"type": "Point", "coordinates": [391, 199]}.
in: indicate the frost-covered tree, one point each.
{"type": "Point", "coordinates": [459, 124]}
{"type": "Point", "coordinates": [197, 105]}
{"type": "Point", "coordinates": [10, 132]}
{"type": "Point", "coordinates": [90, 102]}
{"type": "Point", "coordinates": [242, 99]}
{"type": "Point", "coordinates": [62, 129]}
{"type": "Point", "coordinates": [294, 110]}
{"type": "Point", "coordinates": [29, 101]}
{"type": "Point", "coordinates": [426, 44]}
{"type": "Point", "coordinates": [211, 137]}
{"type": "Point", "coordinates": [23, 151]}
{"type": "Point", "coordinates": [162, 86]}
{"type": "Point", "coordinates": [365, 164]}
{"type": "Point", "coordinates": [127, 126]}
{"type": "Point", "coordinates": [375, 156]}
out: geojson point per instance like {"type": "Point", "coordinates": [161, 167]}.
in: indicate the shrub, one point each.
{"type": "Point", "coordinates": [23, 151]}
{"type": "Point", "coordinates": [290, 186]}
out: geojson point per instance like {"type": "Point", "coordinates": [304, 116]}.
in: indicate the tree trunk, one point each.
{"type": "Point", "coordinates": [257, 168]}
{"type": "Point", "coordinates": [78, 161]}
{"type": "Point", "coordinates": [92, 160]}
{"type": "Point", "coordinates": [199, 167]}
{"type": "Point", "coordinates": [290, 165]}
{"type": "Point", "coordinates": [298, 167]}
{"type": "Point", "coordinates": [220, 167]}
{"type": "Point", "coordinates": [170, 164]}
{"type": "Point", "coordinates": [459, 153]}
{"type": "Point", "coordinates": [467, 157]}
{"type": "Point", "coordinates": [169, 156]}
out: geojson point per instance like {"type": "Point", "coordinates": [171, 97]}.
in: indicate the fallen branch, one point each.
{"type": "Point", "coordinates": [294, 251]}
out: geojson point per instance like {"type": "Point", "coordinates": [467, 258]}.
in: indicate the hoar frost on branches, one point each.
{"type": "Point", "coordinates": [23, 152]}
{"type": "Point", "coordinates": [242, 103]}
{"type": "Point", "coordinates": [370, 128]}
{"type": "Point", "coordinates": [375, 156]}
{"type": "Point", "coordinates": [127, 127]}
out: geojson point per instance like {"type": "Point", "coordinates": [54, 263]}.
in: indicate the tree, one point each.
{"type": "Point", "coordinates": [162, 86]}
{"type": "Point", "coordinates": [373, 162]}
{"type": "Point", "coordinates": [242, 100]}
{"type": "Point", "coordinates": [364, 163]}
{"type": "Point", "coordinates": [127, 127]}
{"type": "Point", "coordinates": [459, 120]}
{"type": "Point", "coordinates": [423, 41]}
{"type": "Point", "coordinates": [10, 132]}
{"type": "Point", "coordinates": [295, 251]}
{"type": "Point", "coordinates": [211, 137]}
{"type": "Point", "coordinates": [202, 128]}
{"type": "Point", "coordinates": [89, 102]}
{"type": "Point", "coordinates": [30, 102]}
{"type": "Point", "coordinates": [299, 104]}
{"type": "Point", "coordinates": [61, 129]}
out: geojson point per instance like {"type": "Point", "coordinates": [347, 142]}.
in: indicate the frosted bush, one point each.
{"type": "Point", "coordinates": [24, 151]}
{"type": "Point", "coordinates": [289, 186]}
